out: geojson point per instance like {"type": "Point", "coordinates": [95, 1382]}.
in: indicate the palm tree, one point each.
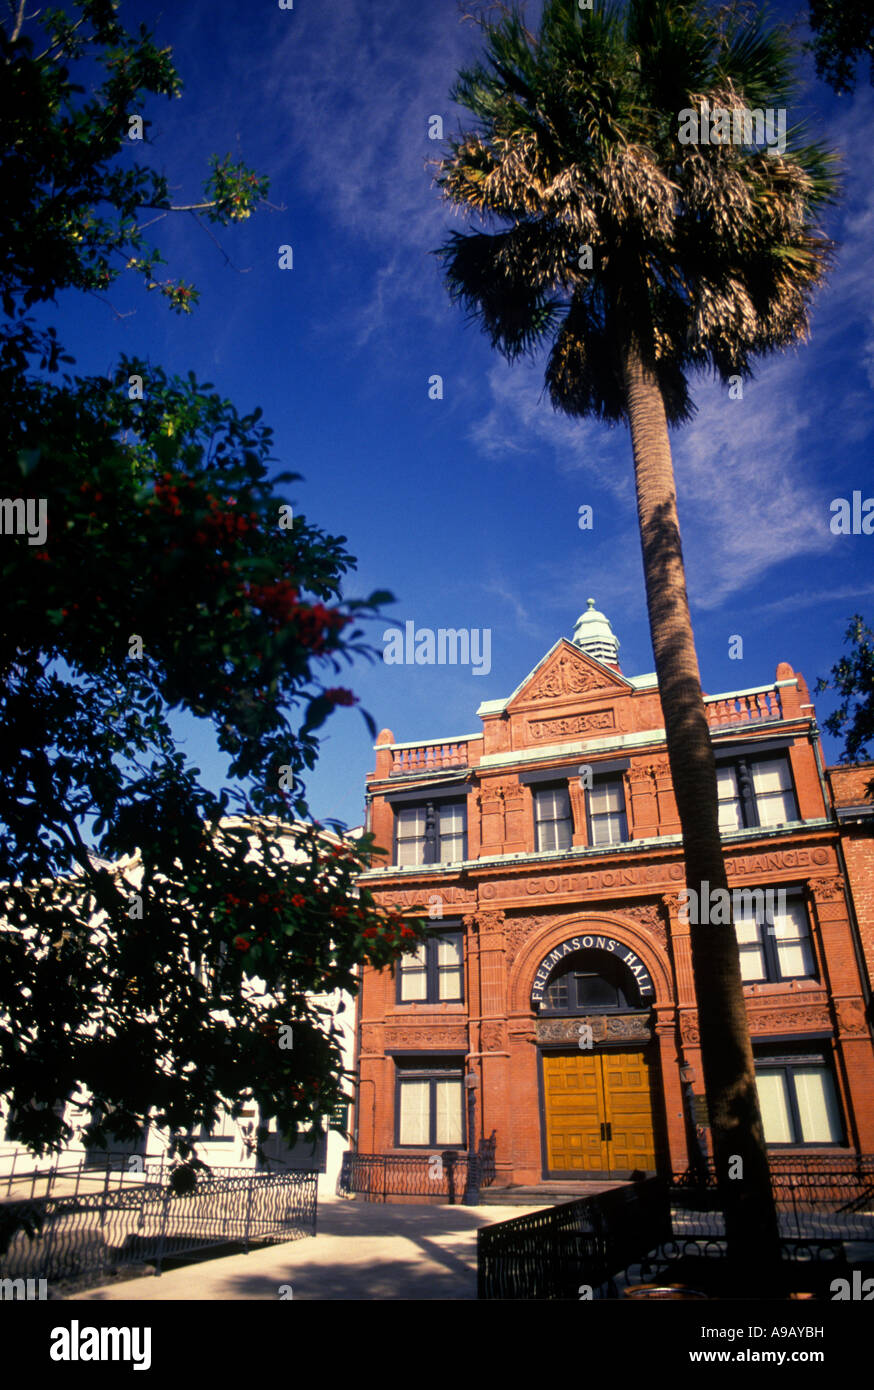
{"type": "Point", "coordinates": [636, 257]}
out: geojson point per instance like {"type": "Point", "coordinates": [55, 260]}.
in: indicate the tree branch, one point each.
{"type": "Point", "coordinates": [19, 19]}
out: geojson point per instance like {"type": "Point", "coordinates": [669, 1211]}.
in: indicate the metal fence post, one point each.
{"type": "Point", "coordinates": [248, 1215]}
{"type": "Point", "coordinates": [105, 1194]}
{"type": "Point", "coordinates": [162, 1239]}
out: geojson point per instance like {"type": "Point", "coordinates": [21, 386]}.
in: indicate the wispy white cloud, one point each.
{"type": "Point", "coordinates": [804, 600]}
{"type": "Point", "coordinates": [520, 422]}
{"type": "Point", "coordinates": [754, 476]}
{"type": "Point", "coordinates": [355, 126]}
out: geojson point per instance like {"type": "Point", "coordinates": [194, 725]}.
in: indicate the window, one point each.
{"type": "Point", "coordinates": [435, 973]}
{"type": "Point", "coordinates": [798, 1100]}
{"type": "Point", "coordinates": [755, 792]}
{"type": "Point", "coordinates": [431, 833]}
{"type": "Point", "coordinates": [430, 1110]}
{"type": "Point", "coordinates": [589, 984]}
{"type": "Point", "coordinates": [552, 818]}
{"type": "Point", "coordinates": [774, 944]}
{"type": "Point", "coordinates": [606, 806]}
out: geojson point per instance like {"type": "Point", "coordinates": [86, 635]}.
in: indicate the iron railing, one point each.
{"type": "Point", "coordinates": [644, 1230]}
{"type": "Point", "coordinates": [821, 1199]}
{"type": "Point", "coordinates": [573, 1250]}
{"type": "Point", "coordinates": [447, 1176]}
{"type": "Point", "coordinates": [68, 1237]}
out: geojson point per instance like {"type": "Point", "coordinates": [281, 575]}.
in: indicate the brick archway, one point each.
{"type": "Point", "coordinates": [554, 932]}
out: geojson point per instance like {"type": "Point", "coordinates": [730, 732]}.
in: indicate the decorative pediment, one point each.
{"type": "Point", "coordinates": [566, 673]}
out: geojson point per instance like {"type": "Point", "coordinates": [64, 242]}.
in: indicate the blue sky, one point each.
{"type": "Point", "coordinates": [467, 507]}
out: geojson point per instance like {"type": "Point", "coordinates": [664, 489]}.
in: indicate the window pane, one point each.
{"type": "Point", "coordinates": [552, 812]}
{"type": "Point", "coordinates": [606, 796]}
{"type": "Point", "coordinates": [729, 800]}
{"type": "Point", "coordinates": [771, 777]}
{"type": "Point", "coordinates": [451, 819]}
{"type": "Point", "coordinates": [452, 850]}
{"type": "Point", "coordinates": [449, 968]}
{"type": "Point", "coordinates": [774, 1105]}
{"type": "Point", "coordinates": [451, 831]}
{"type": "Point", "coordinates": [553, 804]}
{"type": "Point", "coordinates": [449, 952]}
{"type": "Point", "coordinates": [555, 995]}
{"type": "Point", "coordinates": [411, 835]}
{"type": "Point", "coordinates": [794, 947]}
{"type": "Point", "coordinates": [554, 835]}
{"type": "Point", "coordinates": [775, 800]}
{"type": "Point", "coordinates": [414, 975]}
{"type": "Point", "coordinates": [450, 984]}
{"type": "Point", "coordinates": [414, 985]}
{"type": "Point", "coordinates": [817, 1105]}
{"type": "Point", "coordinates": [448, 1102]}
{"type": "Point", "coordinates": [609, 829]}
{"type": "Point", "coordinates": [414, 1112]}
{"type": "Point", "coordinates": [752, 959]}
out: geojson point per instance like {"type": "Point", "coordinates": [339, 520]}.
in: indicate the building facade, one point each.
{"type": "Point", "coordinates": [230, 1142]}
{"type": "Point", "coordinates": [556, 985]}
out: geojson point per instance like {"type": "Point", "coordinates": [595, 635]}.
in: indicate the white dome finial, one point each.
{"type": "Point", "coordinates": [594, 636]}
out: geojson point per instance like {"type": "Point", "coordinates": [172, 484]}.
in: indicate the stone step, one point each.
{"type": "Point", "coordinates": [545, 1194]}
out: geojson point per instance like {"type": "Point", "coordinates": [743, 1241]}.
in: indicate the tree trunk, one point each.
{"type": "Point", "coordinates": [729, 1077]}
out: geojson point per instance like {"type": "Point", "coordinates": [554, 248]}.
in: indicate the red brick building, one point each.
{"type": "Point", "coordinates": [546, 851]}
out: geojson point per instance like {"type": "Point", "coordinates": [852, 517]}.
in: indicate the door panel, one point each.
{"type": "Point", "coordinates": [598, 1112]}
{"type": "Point", "coordinates": [574, 1113]}
{"type": "Point", "coordinates": [628, 1105]}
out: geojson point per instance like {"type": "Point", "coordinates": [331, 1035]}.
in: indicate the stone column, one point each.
{"type": "Point", "coordinates": [644, 817]}
{"type": "Point", "coordinates": [675, 1114]}
{"type": "Point", "coordinates": [580, 834]}
{"type": "Point", "coordinates": [852, 1032]}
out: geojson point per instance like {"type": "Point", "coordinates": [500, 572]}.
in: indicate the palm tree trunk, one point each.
{"type": "Point", "coordinates": [729, 1077]}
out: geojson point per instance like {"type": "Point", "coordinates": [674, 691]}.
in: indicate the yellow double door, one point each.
{"type": "Point", "coordinates": [599, 1112]}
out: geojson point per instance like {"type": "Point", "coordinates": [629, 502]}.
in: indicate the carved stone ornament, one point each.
{"type": "Point", "coordinates": [660, 768]}
{"type": "Point", "coordinates": [605, 1028]}
{"type": "Point", "coordinates": [597, 721]}
{"type": "Point", "coordinates": [494, 1038]}
{"type": "Point", "coordinates": [689, 1028]}
{"type": "Point", "coordinates": [516, 932]}
{"type": "Point", "coordinates": [788, 1020]}
{"type": "Point", "coordinates": [649, 916]}
{"type": "Point", "coordinates": [851, 1016]}
{"type": "Point", "coordinates": [429, 1037]}
{"type": "Point", "coordinates": [639, 772]}
{"type": "Point", "coordinates": [564, 676]}
{"type": "Point", "coordinates": [828, 890]}
{"type": "Point", "coordinates": [488, 921]}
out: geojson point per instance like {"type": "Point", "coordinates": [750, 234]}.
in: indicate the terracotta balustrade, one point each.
{"type": "Point", "coordinates": [429, 757]}
{"type": "Point", "coordinates": [745, 708]}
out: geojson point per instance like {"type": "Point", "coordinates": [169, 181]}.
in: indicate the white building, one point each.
{"type": "Point", "coordinates": [231, 1142]}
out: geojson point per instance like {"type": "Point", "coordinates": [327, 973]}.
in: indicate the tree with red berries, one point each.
{"type": "Point", "coordinates": [152, 944]}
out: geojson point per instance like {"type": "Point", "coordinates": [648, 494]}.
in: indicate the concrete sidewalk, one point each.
{"type": "Point", "coordinates": [364, 1250]}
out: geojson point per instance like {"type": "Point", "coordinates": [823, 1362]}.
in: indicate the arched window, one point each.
{"type": "Point", "coordinates": [590, 982]}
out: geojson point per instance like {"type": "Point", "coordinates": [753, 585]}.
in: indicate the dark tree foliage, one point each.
{"type": "Point", "coordinates": [853, 679]}
{"type": "Point", "coordinates": [160, 944]}
{"type": "Point", "coordinates": [843, 34]}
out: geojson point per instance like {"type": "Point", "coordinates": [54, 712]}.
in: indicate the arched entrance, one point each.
{"type": "Point", "coordinates": [598, 1070]}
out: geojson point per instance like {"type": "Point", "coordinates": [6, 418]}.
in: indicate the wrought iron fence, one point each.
{"type": "Point", "coordinates": [67, 1237]}
{"type": "Point", "coordinates": [642, 1231]}
{"type": "Point", "coordinates": [555, 1253]}
{"type": "Point", "coordinates": [822, 1199]}
{"type": "Point", "coordinates": [445, 1176]}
